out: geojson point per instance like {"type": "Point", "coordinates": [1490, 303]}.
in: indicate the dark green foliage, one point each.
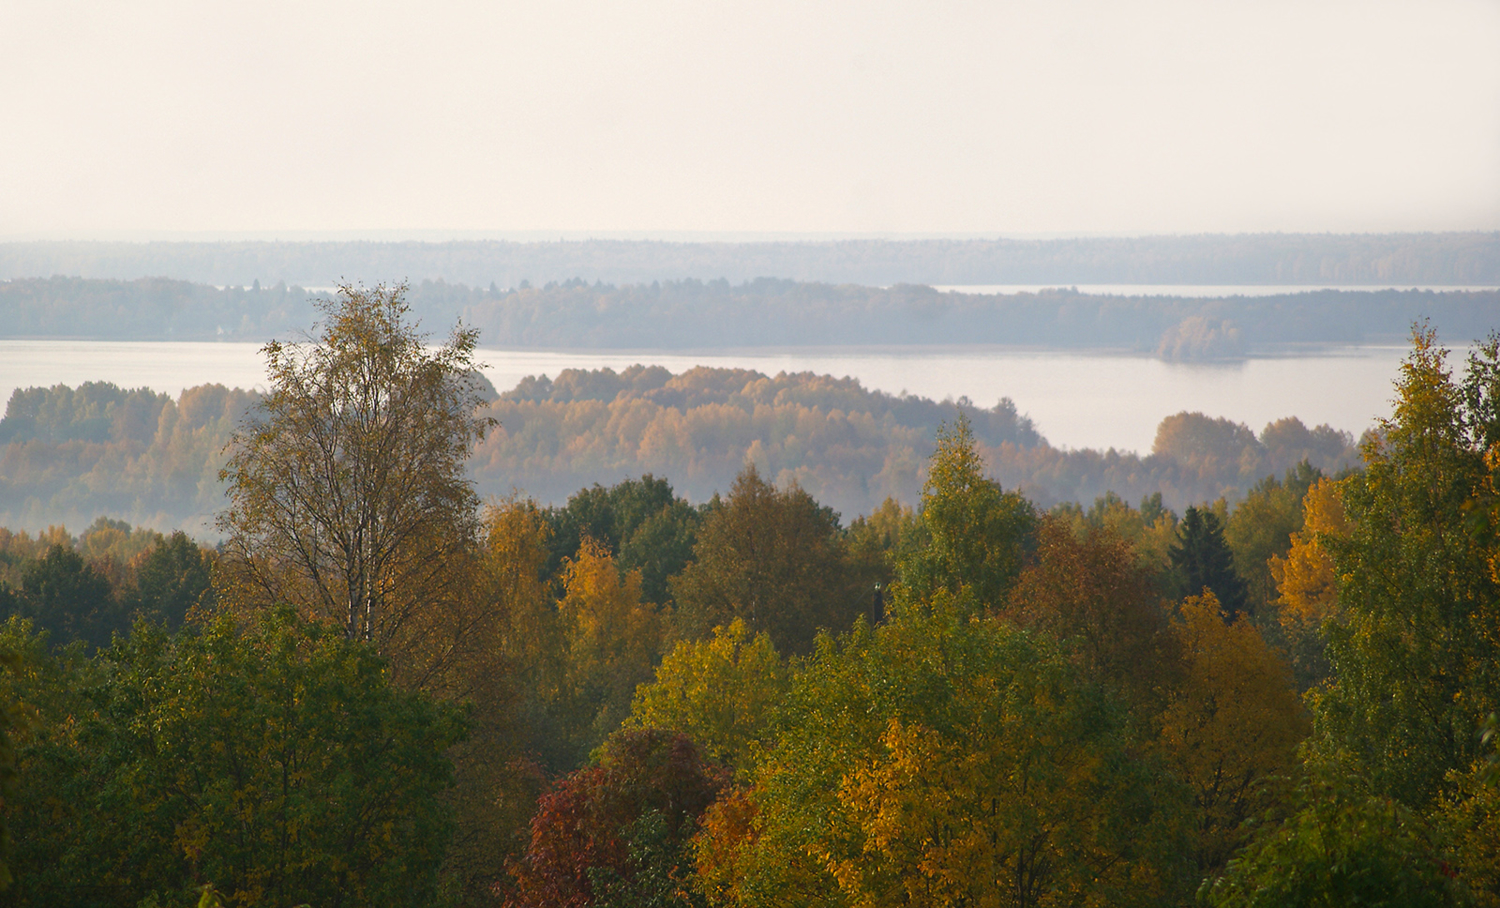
{"type": "Point", "coordinates": [173, 578]}
{"type": "Point", "coordinates": [11, 719]}
{"type": "Point", "coordinates": [1202, 561]}
{"type": "Point", "coordinates": [69, 599]}
{"type": "Point", "coordinates": [1340, 849]}
{"type": "Point", "coordinates": [642, 523]}
{"type": "Point", "coordinates": [276, 762]}
{"type": "Point", "coordinates": [655, 874]}
{"type": "Point", "coordinates": [775, 558]}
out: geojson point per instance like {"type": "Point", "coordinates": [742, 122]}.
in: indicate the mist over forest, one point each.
{"type": "Point", "coordinates": [750, 455]}
{"type": "Point", "coordinates": [379, 632]}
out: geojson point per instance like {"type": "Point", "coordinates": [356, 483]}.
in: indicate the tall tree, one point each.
{"type": "Point", "coordinates": [1203, 561]}
{"type": "Point", "coordinates": [69, 599]}
{"type": "Point", "coordinates": [347, 489]}
{"type": "Point", "coordinates": [1092, 595]}
{"type": "Point", "coordinates": [1230, 728]}
{"type": "Point", "coordinates": [719, 692]}
{"type": "Point", "coordinates": [172, 578]}
{"type": "Point", "coordinates": [949, 759]}
{"type": "Point", "coordinates": [641, 522]}
{"type": "Point", "coordinates": [1416, 647]}
{"type": "Point", "coordinates": [978, 535]}
{"type": "Point", "coordinates": [1260, 528]}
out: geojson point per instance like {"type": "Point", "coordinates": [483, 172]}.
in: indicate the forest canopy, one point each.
{"type": "Point", "coordinates": [631, 699]}
{"type": "Point", "coordinates": [68, 455]}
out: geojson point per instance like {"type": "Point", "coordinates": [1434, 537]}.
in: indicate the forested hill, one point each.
{"type": "Point", "coordinates": [786, 313]}
{"type": "Point", "coordinates": [692, 314]}
{"type": "Point", "coordinates": [1430, 258]}
{"type": "Point", "coordinates": [69, 455]}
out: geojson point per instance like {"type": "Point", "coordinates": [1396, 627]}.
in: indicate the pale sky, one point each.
{"type": "Point", "coordinates": [140, 118]}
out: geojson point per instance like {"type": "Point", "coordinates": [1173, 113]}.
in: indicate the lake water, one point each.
{"type": "Point", "coordinates": [1197, 291]}
{"type": "Point", "coordinates": [1078, 400]}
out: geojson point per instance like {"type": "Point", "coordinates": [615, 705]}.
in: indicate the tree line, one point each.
{"type": "Point", "coordinates": [384, 694]}
{"type": "Point", "coordinates": [1431, 258]}
{"type": "Point", "coordinates": [692, 314]}
{"type": "Point", "coordinates": [68, 455]}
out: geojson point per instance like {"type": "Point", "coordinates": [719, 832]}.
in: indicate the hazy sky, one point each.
{"type": "Point", "coordinates": [146, 117]}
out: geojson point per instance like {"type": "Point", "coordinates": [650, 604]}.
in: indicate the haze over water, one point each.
{"type": "Point", "coordinates": [1078, 400]}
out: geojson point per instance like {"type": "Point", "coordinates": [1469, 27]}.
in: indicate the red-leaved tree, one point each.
{"type": "Point", "coordinates": [616, 832]}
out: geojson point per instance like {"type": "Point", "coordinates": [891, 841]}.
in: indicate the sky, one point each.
{"type": "Point", "coordinates": [154, 118]}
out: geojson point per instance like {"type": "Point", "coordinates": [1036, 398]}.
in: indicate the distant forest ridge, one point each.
{"type": "Point", "coordinates": [692, 314]}
{"type": "Point", "coordinates": [69, 455]}
{"type": "Point", "coordinates": [1419, 259]}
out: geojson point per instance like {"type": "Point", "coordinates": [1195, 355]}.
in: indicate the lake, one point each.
{"type": "Point", "coordinates": [1078, 400]}
{"type": "Point", "coordinates": [1199, 291]}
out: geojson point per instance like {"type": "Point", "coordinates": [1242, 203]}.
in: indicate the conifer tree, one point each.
{"type": "Point", "coordinates": [1203, 561]}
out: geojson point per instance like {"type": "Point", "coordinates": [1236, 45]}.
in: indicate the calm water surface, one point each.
{"type": "Point", "coordinates": [1078, 400]}
{"type": "Point", "coordinates": [1198, 291]}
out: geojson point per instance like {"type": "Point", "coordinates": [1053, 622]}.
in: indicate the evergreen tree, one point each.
{"type": "Point", "coordinates": [1203, 561]}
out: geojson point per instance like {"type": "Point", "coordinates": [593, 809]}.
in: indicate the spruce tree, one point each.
{"type": "Point", "coordinates": [1202, 560]}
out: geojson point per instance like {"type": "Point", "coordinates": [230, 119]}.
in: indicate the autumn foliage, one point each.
{"type": "Point", "coordinates": [588, 834]}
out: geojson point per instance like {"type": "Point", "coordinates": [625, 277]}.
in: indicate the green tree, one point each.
{"type": "Point", "coordinates": [1340, 848]}
{"type": "Point", "coordinates": [276, 761]}
{"type": "Point", "coordinates": [348, 495]}
{"type": "Point", "coordinates": [172, 578]}
{"type": "Point", "coordinates": [978, 535]}
{"type": "Point", "coordinates": [774, 558]}
{"type": "Point", "coordinates": [642, 523]}
{"type": "Point", "coordinates": [69, 599]}
{"type": "Point", "coordinates": [1414, 649]}
{"type": "Point", "coordinates": [1260, 528]}
{"type": "Point", "coordinates": [944, 759]}
{"type": "Point", "coordinates": [1202, 561]}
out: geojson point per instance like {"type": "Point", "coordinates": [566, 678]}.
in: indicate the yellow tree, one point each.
{"type": "Point", "coordinates": [612, 640]}
{"type": "Point", "coordinates": [947, 759]}
{"type": "Point", "coordinates": [1304, 578]}
{"type": "Point", "coordinates": [1232, 728]}
{"type": "Point", "coordinates": [720, 692]}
